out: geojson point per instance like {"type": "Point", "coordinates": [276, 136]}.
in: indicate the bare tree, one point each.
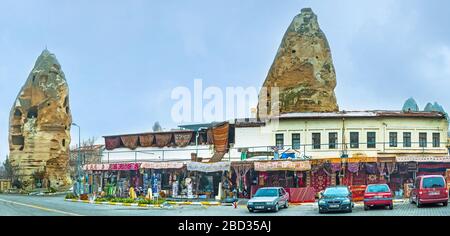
{"type": "Point", "coordinates": [89, 154]}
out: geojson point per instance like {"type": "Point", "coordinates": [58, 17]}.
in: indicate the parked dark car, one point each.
{"type": "Point", "coordinates": [336, 199]}
{"type": "Point", "coordinates": [269, 199]}
{"type": "Point", "coordinates": [429, 189]}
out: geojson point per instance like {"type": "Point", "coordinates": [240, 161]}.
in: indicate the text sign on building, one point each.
{"type": "Point", "coordinates": [423, 158]}
{"type": "Point", "coordinates": [283, 165]}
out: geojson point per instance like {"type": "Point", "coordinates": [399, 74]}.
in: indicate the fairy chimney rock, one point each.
{"type": "Point", "coordinates": [39, 128]}
{"type": "Point", "coordinates": [302, 71]}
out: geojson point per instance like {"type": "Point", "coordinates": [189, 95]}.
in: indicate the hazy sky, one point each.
{"type": "Point", "coordinates": [123, 58]}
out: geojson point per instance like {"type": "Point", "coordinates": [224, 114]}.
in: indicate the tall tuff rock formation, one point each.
{"type": "Point", "coordinates": [40, 120]}
{"type": "Point", "coordinates": [302, 70]}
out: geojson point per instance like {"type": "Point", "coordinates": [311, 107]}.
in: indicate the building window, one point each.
{"type": "Point", "coordinates": [332, 140]}
{"type": "Point", "coordinates": [423, 139]}
{"type": "Point", "coordinates": [371, 140]}
{"type": "Point", "coordinates": [354, 139]}
{"type": "Point", "coordinates": [392, 139]}
{"type": "Point", "coordinates": [316, 140]}
{"type": "Point", "coordinates": [295, 141]}
{"type": "Point", "coordinates": [407, 139]}
{"type": "Point", "coordinates": [436, 139]}
{"type": "Point", "coordinates": [279, 140]}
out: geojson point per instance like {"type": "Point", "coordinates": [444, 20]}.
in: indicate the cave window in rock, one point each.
{"type": "Point", "coordinates": [33, 112]}
{"type": "Point", "coordinates": [17, 113]}
{"type": "Point", "coordinates": [18, 140]}
{"type": "Point", "coordinates": [66, 101]}
{"type": "Point", "coordinates": [64, 142]}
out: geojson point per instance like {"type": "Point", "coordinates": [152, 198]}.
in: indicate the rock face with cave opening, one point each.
{"type": "Point", "coordinates": [40, 122]}
{"type": "Point", "coordinates": [302, 70]}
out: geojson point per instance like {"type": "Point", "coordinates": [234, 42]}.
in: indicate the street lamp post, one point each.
{"type": "Point", "coordinates": [79, 153]}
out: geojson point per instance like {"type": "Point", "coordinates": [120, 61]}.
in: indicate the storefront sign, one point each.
{"type": "Point", "coordinates": [124, 166]}
{"type": "Point", "coordinates": [283, 165]}
{"type": "Point", "coordinates": [423, 159]}
{"type": "Point", "coordinates": [95, 167]}
{"type": "Point", "coordinates": [162, 165]}
{"type": "Point", "coordinates": [208, 167]}
{"type": "Point", "coordinates": [345, 160]}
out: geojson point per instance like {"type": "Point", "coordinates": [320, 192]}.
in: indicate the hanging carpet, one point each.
{"type": "Point", "coordinates": [130, 142]}
{"type": "Point", "coordinates": [146, 140]}
{"type": "Point", "coordinates": [220, 140]}
{"type": "Point", "coordinates": [163, 140]}
{"type": "Point", "coordinates": [112, 143]}
{"type": "Point", "coordinates": [183, 139]}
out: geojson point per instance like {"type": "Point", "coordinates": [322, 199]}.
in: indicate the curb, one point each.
{"type": "Point", "coordinates": [111, 203]}
{"type": "Point", "coordinates": [145, 205]}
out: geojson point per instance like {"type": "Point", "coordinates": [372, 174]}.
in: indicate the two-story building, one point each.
{"type": "Point", "coordinates": [295, 150]}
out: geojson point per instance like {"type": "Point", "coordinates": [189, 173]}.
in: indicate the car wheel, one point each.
{"type": "Point", "coordinates": [321, 212]}
{"type": "Point", "coordinates": [366, 208]}
{"type": "Point", "coordinates": [286, 205]}
{"type": "Point", "coordinates": [251, 210]}
{"type": "Point", "coordinates": [445, 204]}
{"type": "Point", "coordinates": [418, 203]}
{"type": "Point", "coordinates": [350, 211]}
{"type": "Point", "coordinates": [391, 207]}
{"type": "Point", "coordinates": [277, 208]}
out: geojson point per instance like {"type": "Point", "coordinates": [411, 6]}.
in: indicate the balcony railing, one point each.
{"type": "Point", "coordinates": [303, 151]}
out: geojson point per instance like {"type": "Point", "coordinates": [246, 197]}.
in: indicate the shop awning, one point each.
{"type": "Point", "coordinates": [162, 165]}
{"type": "Point", "coordinates": [283, 165]}
{"type": "Point", "coordinates": [208, 167]}
{"type": "Point", "coordinates": [96, 167]}
{"type": "Point", "coordinates": [423, 158]}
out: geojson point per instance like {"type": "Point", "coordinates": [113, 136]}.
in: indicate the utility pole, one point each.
{"type": "Point", "coordinates": [78, 154]}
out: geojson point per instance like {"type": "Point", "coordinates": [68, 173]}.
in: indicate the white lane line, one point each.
{"type": "Point", "coordinates": [40, 208]}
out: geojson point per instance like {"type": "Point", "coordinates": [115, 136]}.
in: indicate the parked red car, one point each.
{"type": "Point", "coordinates": [378, 195]}
{"type": "Point", "coordinates": [429, 189]}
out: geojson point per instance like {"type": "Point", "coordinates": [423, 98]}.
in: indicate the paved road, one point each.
{"type": "Point", "coordinates": [19, 205]}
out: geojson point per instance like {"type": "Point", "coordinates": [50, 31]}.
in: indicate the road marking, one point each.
{"type": "Point", "coordinates": [41, 208]}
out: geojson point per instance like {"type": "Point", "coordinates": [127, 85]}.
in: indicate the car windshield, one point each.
{"type": "Point", "coordinates": [378, 188]}
{"type": "Point", "coordinates": [433, 182]}
{"type": "Point", "coordinates": [267, 192]}
{"type": "Point", "coordinates": [336, 192]}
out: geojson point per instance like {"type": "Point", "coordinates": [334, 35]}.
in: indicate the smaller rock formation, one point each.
{"type": "Point", "coordinates": [410, 105]}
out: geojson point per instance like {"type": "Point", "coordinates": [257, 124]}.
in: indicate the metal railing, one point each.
{"type": "Point", "coordinates": [304, 151]}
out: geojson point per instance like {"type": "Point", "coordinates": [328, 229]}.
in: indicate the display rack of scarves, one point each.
{"type": "Point", "coordinates": [335, 167]}
{"type": "Point", "coordinates": [353, 167]}
{"type": "Point", "coordinates": [371, 168]}
{"type": "Point", "coordinates": [381, 168]}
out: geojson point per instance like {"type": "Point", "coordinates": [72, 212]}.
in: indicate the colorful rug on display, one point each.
{"type": "Point", "coordinates": [302, 195]}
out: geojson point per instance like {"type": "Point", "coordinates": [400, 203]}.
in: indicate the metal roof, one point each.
{"type": "Point", "coordinates": [362, 114]}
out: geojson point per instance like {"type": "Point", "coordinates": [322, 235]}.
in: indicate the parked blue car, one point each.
{"type": "Point", "coordinates": [336, 199]}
